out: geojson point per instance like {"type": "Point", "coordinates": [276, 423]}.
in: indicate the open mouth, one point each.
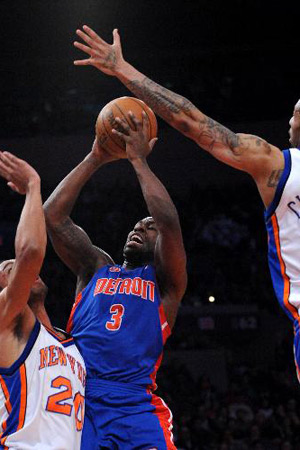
{"type": "Point", "coordinates": [136, 239]}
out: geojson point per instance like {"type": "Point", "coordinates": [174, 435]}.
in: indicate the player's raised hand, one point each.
{"type": "Point", "coordinates": [105, 57]}
{"type": "Point", "coordinates": [17, 172]}
{"type": "Point", "coordinates": [136, 136]}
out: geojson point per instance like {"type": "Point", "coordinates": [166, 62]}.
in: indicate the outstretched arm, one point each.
{"type": "Point", "coordinates": [30, 241]}
{"type": "Point", "coordinates": [71, 242]}
{"type": "Point", "coordinates": [170, 258]}
{"type": "Point", "coordinates": [245, 152]}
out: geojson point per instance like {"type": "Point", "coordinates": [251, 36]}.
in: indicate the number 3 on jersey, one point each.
{"type": "Point", "coordinates": [117, 312]}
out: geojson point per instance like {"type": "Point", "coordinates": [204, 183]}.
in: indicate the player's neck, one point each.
{"type": "Point", "coordinates": [131, 265]}
{"type": "Point", "coordinates": [41, 314]}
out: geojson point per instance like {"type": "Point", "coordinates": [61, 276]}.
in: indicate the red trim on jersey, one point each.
{"type": "Point", "coordinates": [153, 386]}
{"type": "Point", "coordinates": [165, 417]}
{"type": "Point", "coordinates": [166, 331]}
{"type": "Point", "coordinates": [165, 327]}
{"type": "Point", "coordinates": [7, 405]}
{"type": "Point", "coordinates": [23, 399]}
{"type": "Point", "coordinates": [286, 281]}
{"type": "Point", "coordinates": [2, 442]}
{"type": "Point", "coordinates": [70, 321]}
{"type": "Point", "coordinates": [57, 336]}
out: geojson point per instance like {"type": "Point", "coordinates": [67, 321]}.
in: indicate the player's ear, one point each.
{"type": "Point", "coordinates": [3, 280]}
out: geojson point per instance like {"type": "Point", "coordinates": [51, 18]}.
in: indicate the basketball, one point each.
{"type": "Point", "coordinates": [119, 108]}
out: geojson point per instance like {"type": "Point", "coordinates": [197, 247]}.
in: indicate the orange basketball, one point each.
{"type": "Point", "coordinates": [120, 108]}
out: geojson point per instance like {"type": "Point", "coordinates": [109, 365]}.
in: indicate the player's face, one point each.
{"type": "Point", "coordinates": [294, 130]}
{"type": "Point", "coordinates": [142, 238]}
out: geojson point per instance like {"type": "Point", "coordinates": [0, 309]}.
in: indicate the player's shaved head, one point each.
{"type": "Point", "coordinates": [297, 106]}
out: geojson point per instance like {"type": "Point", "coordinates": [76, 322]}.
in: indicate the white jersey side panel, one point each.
{"type": "Point", "coordinates": [42, 395]}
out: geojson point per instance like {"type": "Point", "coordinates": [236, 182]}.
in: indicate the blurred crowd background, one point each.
{"type": "Point", "coordinates": [228, 373]}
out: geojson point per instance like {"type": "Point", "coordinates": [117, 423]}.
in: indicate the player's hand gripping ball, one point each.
{"type": "Point", "coordinates": [120, 107]}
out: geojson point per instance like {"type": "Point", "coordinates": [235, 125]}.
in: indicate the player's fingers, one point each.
{"type": "Point", "coordinates": [3, 171]}
{"type": "Point", "coordinates": [87, 39]}
{"type": "Point", "coordinates": [122, 135]}
{"type": "Point", "coordinates": [123, 125]}
{"type": "Point", "coordinates": [136, 124]}
{"type": "Point", "coordinates": [13, 187]}
{"type": "Point", "coordinates": [146, 123]}
{"type": "Point", "coordinates": [83, 62]}
{"type": "Point", "coordinates": [84, 48]}
{"type": "Point", "coordinates": [6, 161]}
{"type": "Point", "coordinates": [11, 157]}
{"type": "Point", "coordinates": [93, 35]}
{"type": "Point", "coordinates": [11, 161]}
{"type": "Point", "coordinates": [116, 36]}
{"type": "Point", "coordinates": [152, 143]}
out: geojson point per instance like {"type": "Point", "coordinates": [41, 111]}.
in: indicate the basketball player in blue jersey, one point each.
{"type": "Point", "coordinates": [275, 172]}
{"type": "Point", "coordinates": [123, 314]}
{"type": "Point", "coordinates": [38, 367]}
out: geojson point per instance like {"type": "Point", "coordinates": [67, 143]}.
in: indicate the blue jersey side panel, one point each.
{"type": "Point", "coordinates": [276, 263]}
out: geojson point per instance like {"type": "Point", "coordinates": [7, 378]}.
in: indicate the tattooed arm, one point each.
{"type": "Point", "coordinates": [70, 242]}
{"type": "Point", "coordinates": [244, 152]}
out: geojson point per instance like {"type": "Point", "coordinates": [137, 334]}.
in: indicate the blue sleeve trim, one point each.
{"type": "Point", "coordinates": [31, 341]}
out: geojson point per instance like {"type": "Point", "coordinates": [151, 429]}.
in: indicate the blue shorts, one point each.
{"type": "Point", "coordinates": [120, 416]}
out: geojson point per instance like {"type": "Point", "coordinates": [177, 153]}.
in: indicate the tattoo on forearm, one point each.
{"type": "Point", "coordinates": [214, 133]}
{"type": "Point", "coordinates": [164, 102]}
{"type": "Point", "coordinates": [274, 178]}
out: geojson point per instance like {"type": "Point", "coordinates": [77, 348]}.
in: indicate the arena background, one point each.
{"type": "Point", "coordinates": [228, 373]}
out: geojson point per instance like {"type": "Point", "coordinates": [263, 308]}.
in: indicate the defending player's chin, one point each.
{"type": "Point", "coordinates": [39, 286]}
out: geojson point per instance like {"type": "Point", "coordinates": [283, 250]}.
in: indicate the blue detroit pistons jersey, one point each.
{"type": "Point", "coordinates": [283, 226]}
{"type": "Point", "coordinates": [119, 325]}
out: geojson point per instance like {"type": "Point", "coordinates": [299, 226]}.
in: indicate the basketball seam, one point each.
{"type": "Point", "coordinates": [124, 117]}
{"type": "Point", "coordinates": [117, 106]}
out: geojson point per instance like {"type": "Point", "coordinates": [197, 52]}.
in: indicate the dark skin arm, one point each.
{"type": "Point", "coordinates": [169, 254]}
{"type": "Point", "coordinates": [71, 242]}
{"type": "Point", "coordinates": [263, 161]}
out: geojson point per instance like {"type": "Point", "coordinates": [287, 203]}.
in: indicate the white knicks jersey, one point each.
{"type": "Point", "coordinates": [283, 225]}
{"type": "Point", "coordinates": [42, 395]}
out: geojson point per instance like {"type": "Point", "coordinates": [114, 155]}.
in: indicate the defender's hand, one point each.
{"type": "Point", "coordinates": [19, 174]}
{"type": "Point", "coordinates": [102, 55]}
